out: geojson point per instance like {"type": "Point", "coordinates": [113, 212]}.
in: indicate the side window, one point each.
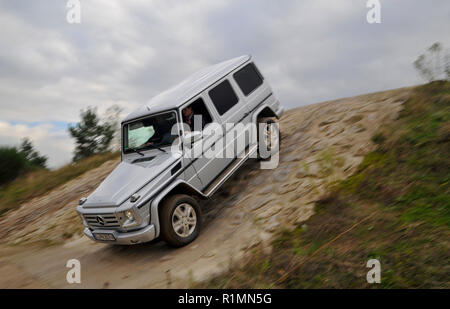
{"type": "Point", "coordinates": [196, 115]}
{"type": "Point", "coordinates": [223, 97]}
{"type": "Point", "coordinates": [248, 78]}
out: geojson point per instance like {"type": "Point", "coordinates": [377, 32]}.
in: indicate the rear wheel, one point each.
{"type": "Point", "coordinates": [268, 138]}
{"type": "Point", "coordinates": [180, 220]}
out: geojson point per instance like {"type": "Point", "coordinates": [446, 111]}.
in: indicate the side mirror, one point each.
{"type": "Point", "coordinates": [192, 137]}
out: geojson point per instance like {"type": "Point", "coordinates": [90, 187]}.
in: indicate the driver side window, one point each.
{"type": "Point", "coordinates": [195, 116]}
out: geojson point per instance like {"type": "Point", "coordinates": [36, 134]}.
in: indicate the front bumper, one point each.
{"type": "Point", "coordinates": [130, 238]}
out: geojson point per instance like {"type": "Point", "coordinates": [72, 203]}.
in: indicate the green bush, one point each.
{"type": "Point", "coordinates": [12, 162]}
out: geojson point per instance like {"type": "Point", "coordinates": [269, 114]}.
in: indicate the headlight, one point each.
{"type": "Point", "coordinates": [129, 214]}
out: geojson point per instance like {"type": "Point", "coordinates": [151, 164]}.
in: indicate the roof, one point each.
{"type": "Point", "coordinates": [188, 88]}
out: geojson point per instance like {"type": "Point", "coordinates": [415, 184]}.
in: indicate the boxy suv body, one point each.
{"type": "Point", "coordinates": [155, 189]}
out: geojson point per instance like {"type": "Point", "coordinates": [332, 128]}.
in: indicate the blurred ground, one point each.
{"type": "Point", "coordinates": [394, 208]}
{"type": "Point", "coordinates": [321, 144]}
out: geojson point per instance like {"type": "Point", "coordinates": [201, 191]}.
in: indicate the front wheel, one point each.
{"type": "Point", "coordinates": [180, 220]}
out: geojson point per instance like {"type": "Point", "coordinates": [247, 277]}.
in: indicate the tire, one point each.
{"type": "Point", "coordinates": [177, 217]}
{"type": "Point", "coordinates": [262, 142]}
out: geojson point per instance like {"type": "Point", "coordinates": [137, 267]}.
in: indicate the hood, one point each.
{"type": "Point", "coordinates": [126, 179]}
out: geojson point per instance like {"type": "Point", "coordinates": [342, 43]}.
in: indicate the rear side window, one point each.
{"type": "Point", "coordinates": [248, 78]}
{"type": "Point", "coordinates": [223, 97]}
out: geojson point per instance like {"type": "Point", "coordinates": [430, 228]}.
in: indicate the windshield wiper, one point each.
{"type": "Point", "coordinates": [156, 147]}
{"type": "Point", "coordinates": [136, 151]}
{"type": "Point", "coordinates": [148, 146]}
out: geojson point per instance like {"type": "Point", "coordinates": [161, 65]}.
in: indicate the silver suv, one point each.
{"type": "Point", "coordinates": [179, 148]}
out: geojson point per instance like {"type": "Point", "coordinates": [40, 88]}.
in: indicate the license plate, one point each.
{"type": "Point", "coordinates": [104, 236]}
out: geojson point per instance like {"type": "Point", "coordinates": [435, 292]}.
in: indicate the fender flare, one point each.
{"type": "Point", "coordinates": [266, 110]}
{"type": "Point", "coordinates": [154, 205]}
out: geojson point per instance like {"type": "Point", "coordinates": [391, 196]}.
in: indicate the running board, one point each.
{"type": "Point", "coordinates": [229, 171]}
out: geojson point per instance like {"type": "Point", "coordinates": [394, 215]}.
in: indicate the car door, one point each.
{"type": "Point", "coordinates": [230, 110]}
{"type": "Point", "coordinates": [194, 157]}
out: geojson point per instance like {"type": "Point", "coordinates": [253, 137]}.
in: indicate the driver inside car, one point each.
{"type": "Point", "coordinates": [189, 117]}
{"type": "Point", "coordinates": [162, 135]}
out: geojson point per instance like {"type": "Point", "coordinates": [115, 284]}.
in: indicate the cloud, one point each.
{"type": "Point", "coordinates": [125, 52]}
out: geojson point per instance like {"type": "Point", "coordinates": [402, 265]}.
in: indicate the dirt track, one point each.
{"type": "Point", "coordinates": [321, 143]}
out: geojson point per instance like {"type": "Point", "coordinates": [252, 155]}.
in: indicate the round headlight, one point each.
{"type": "Point", "coordinates": [129, 214]}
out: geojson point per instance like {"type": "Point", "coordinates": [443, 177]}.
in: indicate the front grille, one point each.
{"type": "Point", "coordinates": [102, 221]}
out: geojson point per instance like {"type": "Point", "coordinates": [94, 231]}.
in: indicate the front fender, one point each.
{"type": "Point", "coordinates": [176, 186]}
{"type": "Point", "coordinates": [266, 110]}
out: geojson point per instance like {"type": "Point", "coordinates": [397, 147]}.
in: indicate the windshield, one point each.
{"type": "Point", "coordinates": [153, 131]}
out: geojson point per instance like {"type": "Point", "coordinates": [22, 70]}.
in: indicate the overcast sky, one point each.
{"type": "Point", "coordinates": [125, 52]}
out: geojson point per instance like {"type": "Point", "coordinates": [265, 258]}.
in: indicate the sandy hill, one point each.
{"type": "Point", "coordinates": [321, 143]}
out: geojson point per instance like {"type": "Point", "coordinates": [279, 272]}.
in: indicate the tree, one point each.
{"type": "Point", "coordinates": [447, 66]}
{"type": "Point", "coordinates": [431, 66]}
{"type": "Point", "coordinates": [424, 70]}
{"type": "Point", "coordinates": [12, 162]}
{"type": "Point", "coordinates": [435, 51]}
{"type": "Point", "coordinates": [31, 155]}
{"type": "Point", "coordinates": [91, 137]}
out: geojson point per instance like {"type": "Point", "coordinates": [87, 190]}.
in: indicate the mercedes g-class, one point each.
{"type": "Point", "coordinates": [179, 148]}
